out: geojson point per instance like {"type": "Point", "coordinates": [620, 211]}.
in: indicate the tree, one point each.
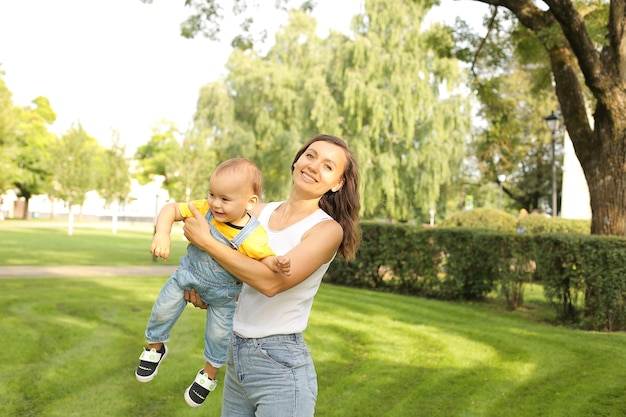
{"type": "Point", "coordinates": [113, 178]}
{"type": "Point", "coordinates": [379, 89]}
{"type": "Point", "coordinates": [185, 165]}
{"type": "Point", "coordinates": [9, 147]}
{"type": "Point", "coordinates": [32, 162]}
{"type": "Point", "coordinates": [410, 131]}
{"type": "Point", "coordinates": [587, 38]}
{"type": "Point", "coordinates": [153, 157]}
{"type": "Point", "coordinates": [76, 156]}
{"type": "Point", "coordinates": [513, 88]}
{"type": "Point", "coordinates": [208, 19]}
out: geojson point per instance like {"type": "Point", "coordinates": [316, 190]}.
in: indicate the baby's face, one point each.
{"type": "Point", "coordinates": [230, 197]}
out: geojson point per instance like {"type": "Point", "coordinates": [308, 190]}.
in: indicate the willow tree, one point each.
{"type": "Point", "coordinates": [270, 103]}
{"type": "Point", "coordinates": [398, 87]}
{"type": "Point", "coordinates": [383, 89]}
{"type": "Point", "coordinates": [586, 46]}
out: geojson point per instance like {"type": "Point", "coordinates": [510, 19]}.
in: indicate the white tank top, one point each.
{"type": "Point", "coordinates": [288, 312]}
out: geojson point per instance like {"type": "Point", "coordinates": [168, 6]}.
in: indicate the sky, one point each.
{"type": "Point", "coordinates": [121, 65]}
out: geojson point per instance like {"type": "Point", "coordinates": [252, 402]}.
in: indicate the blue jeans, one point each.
{"type": "Point", "coordinates": [216, 287]}
{"type": "Point", "coordinates": [219, 293]}
{"type": "Point", "coordinates": [272, 376]}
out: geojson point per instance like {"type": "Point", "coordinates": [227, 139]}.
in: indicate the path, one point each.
{"type": "Point", "coordinates": [84, 271]}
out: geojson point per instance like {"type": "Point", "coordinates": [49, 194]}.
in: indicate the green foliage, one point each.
{"type": "Point", "coordinates": [113, 179]}
{"type": "Point", "coordinates": [410, 151]}
{"type": "Point", "coordinates": [583, 275]}
{"type": "Point", "coordinates": [512, 80]}
{"type": "Point", "coordinates": [9, 147]}
{"type": "Point", "coordinates": [538, 223]}
{"type": "Point", "coordinates": [448, 264]}
{"type": "Point", "coordinates": [34, 161]}
{"type": "Point", "coordinates": [76, 156]}
{"type": "Point", "coordinates": [534, 223]}
{"type": "Point", "coordinates": [585, 278]}
{"type": "Point", "coordinates": [366, 89]}
{"type": "Point", "coordinates": [482, 218]}
{"type": "Point", "coordinates": [184, 161]}
{"type": "Point", "coordinates": [31, 163]}
{"type": "Point", "coordinates": [154, 156]}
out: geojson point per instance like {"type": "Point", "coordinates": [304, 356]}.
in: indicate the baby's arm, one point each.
{"type": "Point", "coordinates": [280, 264]}
{"type": "Point", "coordinates": [162, 241]}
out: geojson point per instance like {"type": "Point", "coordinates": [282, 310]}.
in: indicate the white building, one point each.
{"type": "Point", "coordinates": [144, 204]}
{"type": "Point", "coordinates": [575, 191]}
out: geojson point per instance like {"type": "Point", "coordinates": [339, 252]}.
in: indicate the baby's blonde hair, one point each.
{"type": "Point", "coordinates": [243, 166]}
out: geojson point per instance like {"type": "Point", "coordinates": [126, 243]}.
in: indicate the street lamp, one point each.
{"type": "Point", "coordinates": [553, 124]}
{"type": "Point", "coordinates": [501, 179]}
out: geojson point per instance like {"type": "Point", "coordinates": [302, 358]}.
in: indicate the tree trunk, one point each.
{"type": "Point", "coordinates": [605, 171]}
{"type": "Point", "coordinates": [26, 214]}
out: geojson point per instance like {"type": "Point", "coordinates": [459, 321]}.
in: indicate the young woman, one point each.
{"type": "Point", "coordinates": [270, 372]}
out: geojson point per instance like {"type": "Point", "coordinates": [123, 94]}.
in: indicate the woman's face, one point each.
{"type": "Point", "coordinates": [320, 168]}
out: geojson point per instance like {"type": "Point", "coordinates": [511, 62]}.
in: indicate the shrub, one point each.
{"type": "Point", "coordinates": [539, 223]}
{"type": "Point", "coordinates": [482, 218]}
{"type": "Point", "coordinates": [583, 276]}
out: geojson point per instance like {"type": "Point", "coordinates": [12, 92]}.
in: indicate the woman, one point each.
{"type": "Point", "coordinates": [269, 371]}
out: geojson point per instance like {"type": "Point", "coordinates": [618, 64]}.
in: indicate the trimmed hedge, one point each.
{"type": "Point", "coordinates": [538, 223]}
{"type": "Point", "coordinates": [482, 218]}
{"type": "Point", "coordinates": [583, 276]}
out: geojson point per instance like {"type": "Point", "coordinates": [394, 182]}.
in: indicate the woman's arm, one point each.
{"type": "Point", "coordinates": [317, 247]}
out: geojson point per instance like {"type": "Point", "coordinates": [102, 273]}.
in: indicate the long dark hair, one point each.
{"type": "Point", "coordinates": [343, 205]}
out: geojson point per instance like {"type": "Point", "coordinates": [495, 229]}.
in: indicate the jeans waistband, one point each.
{"type": "Point", "coordinates": [294, 337]}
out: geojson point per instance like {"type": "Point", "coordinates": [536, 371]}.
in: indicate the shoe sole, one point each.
{"type": "Point", "coordinates": [188, 399]}
{"type": "Point", "coordinates": [156, 371]}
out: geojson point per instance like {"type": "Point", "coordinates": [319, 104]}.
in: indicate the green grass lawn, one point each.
{"type": "Point", "coordinates": [70, 347]}
{"type": "Point", "coordinates": [48, 243]}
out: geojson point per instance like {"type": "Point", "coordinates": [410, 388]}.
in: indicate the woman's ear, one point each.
{"type": "Point", "coordinates": [338, 186]}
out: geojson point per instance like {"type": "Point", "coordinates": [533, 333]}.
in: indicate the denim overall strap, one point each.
{"type": "Point", "coordinates": [216, 233]}
{"type": "Point", "coordinates": [243, 233]}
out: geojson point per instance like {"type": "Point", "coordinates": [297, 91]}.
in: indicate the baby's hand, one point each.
{"type": "Point", "coordinates": [282, 264]}
{"type": "Point", "coordinates": [161, 243]}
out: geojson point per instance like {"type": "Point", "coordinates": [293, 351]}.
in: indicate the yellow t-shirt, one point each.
{"type": "Point", "coordinates": [255, 246]}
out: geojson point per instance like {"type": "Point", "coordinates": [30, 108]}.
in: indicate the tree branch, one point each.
{"type": "Point", "coordinates": [492, 21]}
{"type": "Point", "coordinates": [573, 27]}
{"type": "Point", "coordinates": [617, 50]}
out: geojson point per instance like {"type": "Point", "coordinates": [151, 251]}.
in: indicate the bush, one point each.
{"type": "Point", "coordinates": [539, 223]}
{"type": "Point", "coordinates": [482, 218]}
{"type": "Point", "coordinates": [583, 276]}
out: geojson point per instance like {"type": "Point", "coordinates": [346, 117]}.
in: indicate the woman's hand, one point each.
{"type": "Point", "coordinates": [192, 297]}
{"type": "Point", "coordinates": [196, 229]}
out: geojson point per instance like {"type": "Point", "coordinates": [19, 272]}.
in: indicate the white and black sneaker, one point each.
{"type": "Point", "coordinates": [199, 389]}
{"type": "Point", "coordinates": [149, 362]}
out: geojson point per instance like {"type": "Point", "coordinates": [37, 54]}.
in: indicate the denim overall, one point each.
{"type": "Point", "coordinates": [216, 287]}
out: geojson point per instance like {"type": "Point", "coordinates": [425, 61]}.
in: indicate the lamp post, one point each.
{"type": "Point", "coordinates": [501, 179]}
{"type": "Point", "coordinates": [553, 124]}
